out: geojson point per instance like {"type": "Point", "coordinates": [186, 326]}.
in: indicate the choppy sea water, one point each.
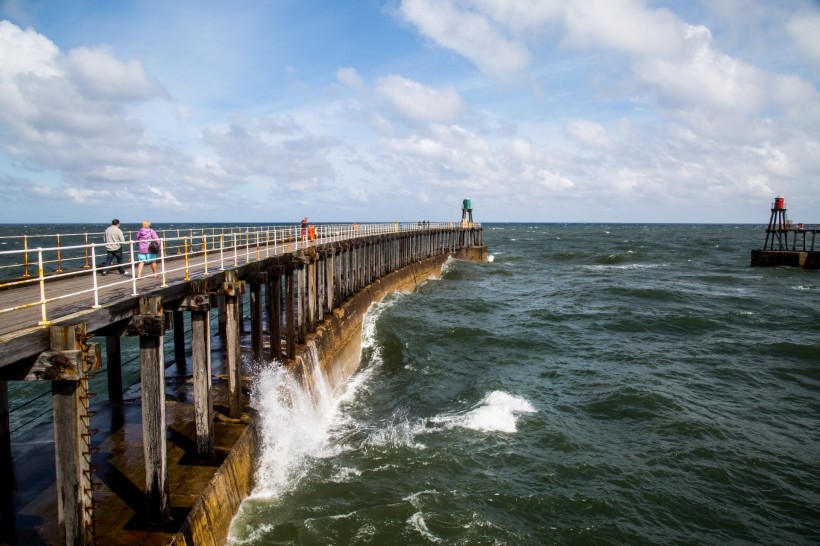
{"type": "Point", "coordinates": [594, 384]}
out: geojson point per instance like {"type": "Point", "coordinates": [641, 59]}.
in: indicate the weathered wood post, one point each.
{"type": "Point", "coordinates": [232, 289]}
{"type": "Point", "coordinates": [149, 324]}
{"type": "Point", "coordinates": [221, 314]}
{"type": "Point", "coordinates": [290, 319]}
{"type": "Point", "coordinates": [240, 312]}
{"type": "Point", "coordinates": [275, 312]}
{"type": "Point", "coordinates": [7, 486]}
{"type": "Point", "coordinates": [199, 303]}
{"type": "Point", "coordinates": [310, 272]}
{"type": "Point", "coordinates": [320, 286]}
{"type": "Point", "coordinates": [330, 278]}
{"type": "Point", "coordinates": [113, 361]}
{"type": "Point", "coordinates": [301, 330]}
{"type": "Point", "coordinates": [179, 342]}
{"type": "Point", "coordinates": [256, 281]}
{"type": "Point", "coordinates": [66, 365]}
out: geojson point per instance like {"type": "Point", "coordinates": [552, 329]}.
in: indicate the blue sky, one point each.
{"type": "Point", "coordinates": [376, 110]}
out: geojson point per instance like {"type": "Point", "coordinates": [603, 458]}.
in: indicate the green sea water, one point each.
{"type": "Point", "coordinates": [593, 384]}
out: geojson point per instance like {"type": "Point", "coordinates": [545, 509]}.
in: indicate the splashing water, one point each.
{"type": "Point", "coordinates": [497, 412]}
{"type": "Point", "coordinates": [293, 427]}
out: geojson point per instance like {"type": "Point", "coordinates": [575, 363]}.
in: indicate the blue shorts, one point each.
{"type": "Point", "coordinates": [148, 258]}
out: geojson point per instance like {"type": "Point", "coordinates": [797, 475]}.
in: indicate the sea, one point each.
{"type": "Point", "coordinates": [591, 384]}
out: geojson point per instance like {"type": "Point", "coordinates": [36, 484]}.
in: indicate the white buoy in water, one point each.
{"type": "Point", "coordinates": [490, 258]}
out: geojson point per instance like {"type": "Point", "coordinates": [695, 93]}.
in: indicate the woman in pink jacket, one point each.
{"type": "Point", "coordinates": [146, 236]}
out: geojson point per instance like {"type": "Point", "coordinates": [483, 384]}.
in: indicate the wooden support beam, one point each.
{"type": "Point", "coordinates": [232, 289]}
{"type": "Point", "coordinates": [290, 319]}
{"type": "Point", "coordinates": [199, 304]}
{"type": "Point", "coordinates": [221, 314]}
{"type": "Point", "coordinates": [7, 485]}
{"type": "Point", "coordinates": [240, 312]}
{"type": "Point", "coordinates": [320, 288]}
{"type": "Point", "coordinates": [275, 315]}
{"type": "Point", "coordinates": [301, 332]}
{"type": "Point", "coordinates": [149, 325]}
{"type": "Point", "coordinates": [179, 343]}
{"type": "Point", "coordinates": [257, 307]}
{"type": "Point", "coordinates": [330, 276]}
{"type": "Point", "coordinates": [113, 361]}
{"type": "Point", "coordinates": [310, 315]}
{"type": "Point", "coordinates": [72, 440]}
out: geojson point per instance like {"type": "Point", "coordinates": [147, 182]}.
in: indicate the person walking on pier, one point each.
{"type": "Point", "coordinates": [148, 247]}
{"type": "Point", "coordinates": [305, 225]}
{"type": "Point", "coordinates": [114, 240]}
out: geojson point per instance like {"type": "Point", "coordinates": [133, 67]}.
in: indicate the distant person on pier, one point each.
{"type": "Point", "coordinates": [114, 240]}
{"type": "Point", "coordinates": [305, 224]}
{"type": "Point", "coordinates": [148, 247]}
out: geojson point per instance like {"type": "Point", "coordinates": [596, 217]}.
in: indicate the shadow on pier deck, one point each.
{"type": "Point", "coordinates": [118, 465]}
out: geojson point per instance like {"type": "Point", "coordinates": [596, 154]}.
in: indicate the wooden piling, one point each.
{"type": "Point", "coordinates": [199, 304]}
{"type": "Point", "coordinates": [7, 485]}
{"type": "Point", "coordinates": [179, 343]}
{"type": "Point", "coordinates": [330, 277]}
{"type": "Point", "coordinates": [256, 281]}
{"type": "Point", "coordinates": [301, 331]}
{"type": "Point", "coordinates": [232, 289]}
{"type": "Point", "coordinates": [72, 442]}
{"type": "Point", "coordinates": [113, 362]}
{"type": "Point", "coordinates": [149, 324]}
{"type": "Point", "coordinates": [290, 311]}
{"type": "Point", "coordinates": [310, 316]}
{"type": "Point", "coordinates": [275, 313]}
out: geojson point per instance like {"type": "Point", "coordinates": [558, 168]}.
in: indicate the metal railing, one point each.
{"type": "Point", "coordinates": [194, 253]}
{"type": "Point", "coordinates": [58, 257]}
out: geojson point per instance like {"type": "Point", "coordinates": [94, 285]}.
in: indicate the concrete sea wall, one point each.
{"type": "Point", "coordinates": [789, 258]}
{"type": "Point", "coordinates": [337, 341]}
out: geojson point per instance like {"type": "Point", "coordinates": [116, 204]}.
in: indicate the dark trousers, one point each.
{"type": "Point", "coordinates": [111, 255]}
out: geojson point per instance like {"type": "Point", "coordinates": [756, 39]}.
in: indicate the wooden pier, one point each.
{"type": "Point", "coordinates": [141, 480]}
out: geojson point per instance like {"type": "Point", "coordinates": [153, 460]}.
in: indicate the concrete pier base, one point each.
{"type": "Point", "coordinates": [789, 258]}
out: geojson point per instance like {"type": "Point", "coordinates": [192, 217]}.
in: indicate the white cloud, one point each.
{"type": "Point", "coordinates": [640, 101]}
{"type": "Point", "coordinates": [57, 114]}
{"type": "Point", "coordinates": [588, 133]}
{"type": "Point", "coordinates": [98, 74]}
{"type": "Point", "coordinates": [804, 29]}
{"type": "Point", "coordinates": [257, 147]}
{"type": "Point", "coordinates": [349, 77]}
{"type": "Point", "coordinates": [417, 102]}
{"type": "Point", "coordinates": [521, 17]}
{"type": "Point", "coordinates": [469, 33]}
{"type": "Point", "coordinates": [623, 25]}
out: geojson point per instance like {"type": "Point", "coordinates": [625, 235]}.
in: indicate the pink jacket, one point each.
{"type": "Point", "coordinates": [144, 236]}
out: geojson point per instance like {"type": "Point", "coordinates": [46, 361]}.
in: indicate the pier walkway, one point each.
{"type": "Point", "coordinates": [132, 469]}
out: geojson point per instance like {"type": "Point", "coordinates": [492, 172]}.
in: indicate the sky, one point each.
{"type": "Point", "coordinates": [379, 110]}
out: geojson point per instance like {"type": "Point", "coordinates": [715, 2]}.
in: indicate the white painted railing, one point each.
{"type": "Point", "coordinates": [194, 253]}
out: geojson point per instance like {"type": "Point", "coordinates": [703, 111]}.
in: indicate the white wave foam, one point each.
{"type": "Point", "coordinates": [416, 521]}
{"type": "Point", "coordinates": [294, 426]}
{"type": "Point", "coordinates": [497, 412]}
{"type": "Point", "coordinates": [399, 434]}
{"type": "Point", "coordinates": [623, 266]}
{"type": "Point", "coordinates": [346, 474]}
{"type": "Point", "coordinates": [448, 264]}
